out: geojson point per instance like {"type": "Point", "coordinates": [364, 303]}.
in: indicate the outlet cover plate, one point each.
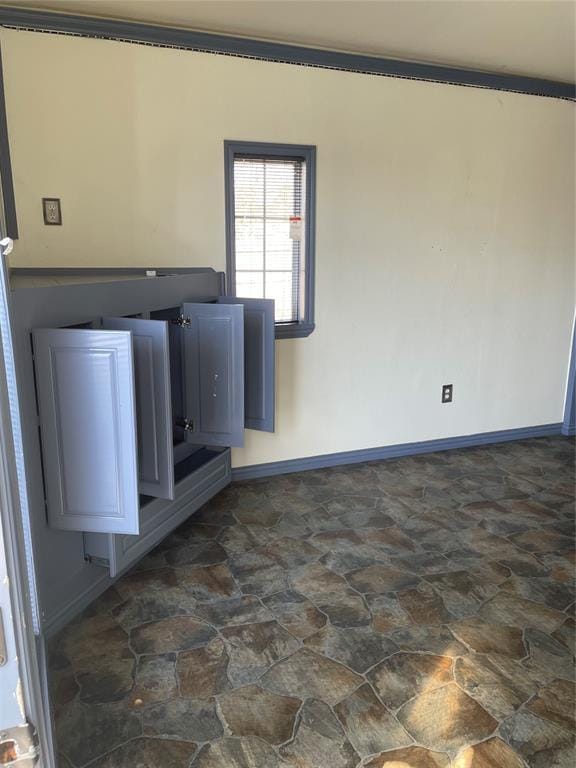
{"type": "Point", "coordinates": [447, 393]}
{"type": "Point", "coordinates": [52, 211]}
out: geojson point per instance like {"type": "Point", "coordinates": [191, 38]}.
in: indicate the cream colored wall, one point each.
{"type": "Point", "coordinates": [445, 233]}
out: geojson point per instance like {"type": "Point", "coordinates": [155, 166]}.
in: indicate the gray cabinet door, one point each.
{"type": "Point", "coordinates": [153, 403]}
{"type": "Point", "coordinates": [259, 361]}
{"type": "Point", "coordinates": [213, 352]}
{"type": "Point", "coordinates": [85, 383]}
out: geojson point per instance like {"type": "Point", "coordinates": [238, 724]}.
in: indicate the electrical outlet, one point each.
{"type": "Point", "coordinates": [52, 211]}
{"type": "Point", "coordinates": [447, 393]}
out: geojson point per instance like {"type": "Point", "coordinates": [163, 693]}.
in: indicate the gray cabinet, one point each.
{"type": "Point", "coordinates": [259, 361]}
{"type": "Point", "coordinates": [153, 403]}
{"type": "Point", "coordinates": [129, 413]}
{"type": "Point", "coordinates": [204, 473]}
{"type": "Point", "coordinates": [86, 400]}
{"type": "Point", "coordinates": [213, 354]}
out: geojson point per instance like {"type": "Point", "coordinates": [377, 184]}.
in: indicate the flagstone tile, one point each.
{"type": "Point", "coordinates": [410, 757]}
{"type": "Point", "coordinates": [256, 616]}
{"type": "Point", "coordinates": [218, 511]}
{"type": "Point", "coordinates": [446, 719]}
{"type": "Point", "coordinates": [344, 609]}
{"type": "Point", "coordinates": [63, 686]}
{"type": "Point", "coordinates": [136, 582]}
{"type": "Point", "coordinates": [149, 753]}
{"type": "Point", "coordinates": [197, 553]}
{"type": "Point", "coordinates": [238, 539]}
{"type": "Point", "coordinates": [541, 743]}
{"type": "Point", "coordinates": [252, 648]}
{"type": "Point", "coordinates": [513, 611]}
{"type": "Point", "coordinates": [353, 558]}
{"type": "Point", "coordinates": [436, 639]}
{"type": "Point", "coordinates": [85, 731]}
{"type": "Point", "coordinates": [387, 613]}
{"type": "Point", "coordinates": [153, 606]}
{"type": "Point", "coordinates": [543, 541]}
{"type": "Point", "coordinates": [559, 567]}
{"type": "Point", "coordinates": [258, 573]}
{"type": "Point", "coordinates": [306, 674]}
{"type": "Point", "coordinates": [248, 752]}
{"type": "Point", "coordinates": [358, 647]}
{"type": "Point", "coordinates": [500, 684]}
{"type": "Point", "coordinates": [391, 541]}
{"type": "Point", "coordinates": [235, 610]}
{"type": "Point", "coordinates": [155, 680]}
{"type": "Point", "coordinates": [295, 613]}
{"type": "Point", "coordinates": [179, 633]}
{"type": "Point", "coordinates": [369, 726]}
{"type": "Point", "coordinates": [94, 636]}
{"type": "Point", "coordinates": [400, 677]}
{"type": "Point", "coordinates": [292, 553]}
{"type": "Point", "coordinates": [319, 741]}
{"type": "Point", "coordinates": [206, 583]}
{"type": "Point", "coordinates": [358, 512]}
{"type": "Point", "coordinates": [104, 679]}
{"type": "Point", "coordinates": [549, 654]}
{"type": "Point", "coordinates": [484, 637]}
{"type": "Point", "coordinates": [566, 634]}
{"type": "Point", "coordinates": [424, 605]}
{"type": "Point", "coordinates": [424, 563]}
{"type": "Point", "coordinates": [202, 672]}
{"type": "Point", "coordinates": [492, 753]}
{"type": "Point", "coordinates": [315, 580]}
{"type": "Point", "coordinates": [541, 590]}
{"type": "Point", "coordinates": [185, 719]}
{"type": "Point", "coordinates": [556, 702]}
{"type": "Point", "coordinates": [462, 595]}
{"type": "Point", "coordinates": [524, 564]}
{"type": "Point", "coordinates": [381, 578]}
{"type": "Point", "coordinates": [486, 543]}
{"type": "Point", "coordinates": [253, 711]}
{"type": "Point", "coordinates": [189, 532]}
{"type": "Point", "coordinates": [260, 512]}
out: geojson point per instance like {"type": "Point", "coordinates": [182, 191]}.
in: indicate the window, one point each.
{"type": "Point", "coordinates": [270, 204]}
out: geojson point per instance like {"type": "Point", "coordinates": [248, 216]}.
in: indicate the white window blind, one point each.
{"type": "Point", "coordinates": [269, 254]}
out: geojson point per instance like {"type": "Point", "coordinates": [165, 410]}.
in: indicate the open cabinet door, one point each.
{"type": "Point", "coordinates": [153, 403]}
{"type": "Point", "coordinates": [213, 352]}
{"type": "Point", "coordinates": [259, 361]}
{"type": "Point", "coordinates": [85, 384]}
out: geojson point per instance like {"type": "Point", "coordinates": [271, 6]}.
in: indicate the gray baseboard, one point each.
{"type": "Point", "coordinates": [392, 451]}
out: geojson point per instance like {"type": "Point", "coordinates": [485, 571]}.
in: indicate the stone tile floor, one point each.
{"type": "Point", "coordinates": [411, 613]}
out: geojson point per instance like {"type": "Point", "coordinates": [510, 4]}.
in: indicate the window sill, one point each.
{"type": "Point", "coordinates": [293, 330]}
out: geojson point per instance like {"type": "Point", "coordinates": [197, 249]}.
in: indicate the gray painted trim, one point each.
{"type": "Point", "coordinates": [391, 451]}
{"type": "Point", "coordinates": [569, 422]}
{"type": "Point", "coordinates": [137, 32]}
{"type": "Point", "coordinates": [96, 271]}
{"type": "Point", "coordinates": [308, 152]}
{"type": "Point", "coordinates": [7, 185]}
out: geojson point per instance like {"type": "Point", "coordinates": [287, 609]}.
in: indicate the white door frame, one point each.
{"type": "Point", "coordinates": [23, 675]}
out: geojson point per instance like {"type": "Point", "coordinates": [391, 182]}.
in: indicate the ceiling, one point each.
{"type": "Point", "coordinates": [524, 37]}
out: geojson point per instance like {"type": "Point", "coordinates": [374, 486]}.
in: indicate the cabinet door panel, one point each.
{"type": "Point", "coordinates": [153, 403]}
{"type": "Point", "coordinates": [85, 382]}
{"type": "Point", "coordinates": [259, 361]}
{"type": "Point", "coordinates": [213, 351]}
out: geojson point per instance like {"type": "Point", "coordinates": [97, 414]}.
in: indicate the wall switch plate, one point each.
{"type": "Point", "coordinates": [52, 211]}
{"type": "Point", "coordinates": [447, 393]}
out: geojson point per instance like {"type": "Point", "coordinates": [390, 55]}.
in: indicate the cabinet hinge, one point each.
{"type": "Point", "coordinates": [186, 424]}
{"type": "Point", "coordinates": [93, 560]}
{"type": "Point", "coordinates": [183, 322]}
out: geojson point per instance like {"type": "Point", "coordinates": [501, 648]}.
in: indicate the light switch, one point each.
{"type": "Point", "coordinates": [52, 211]}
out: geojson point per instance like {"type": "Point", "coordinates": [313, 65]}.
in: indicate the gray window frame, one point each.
{"type": "Point", "coordinates": [307, 152]}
